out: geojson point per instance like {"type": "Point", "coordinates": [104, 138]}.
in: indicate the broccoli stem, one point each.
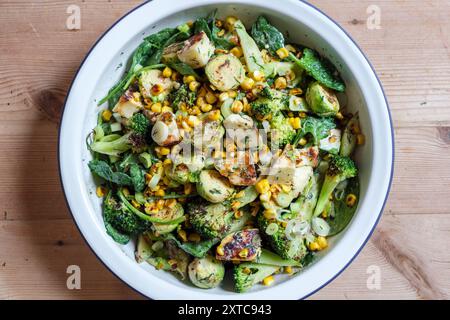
{"type": "Point", "coordinates": [143, 216]}
{"type": "Point", "coordinates": [329, 184]}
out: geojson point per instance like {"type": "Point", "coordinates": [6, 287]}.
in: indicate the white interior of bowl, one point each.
{"type": "Point", "coordinates": [106, 63]}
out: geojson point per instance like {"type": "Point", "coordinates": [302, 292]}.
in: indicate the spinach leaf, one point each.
{"type": "Point", "coordinates": [198, 249]}
{"type": "Point", "coordinates": [116, 235]}
{"type": "Point", "coordinates": [219, 42]}
{"type": "Point", "coordinates": [200, 25]}
{"type": "Point", "coordinates": [320, 69]}
{"type": "Point", "coordinates": [127, 161]}
{"type": "Point", "coordinates": [103, 170]}
{"type": "Point", "coordinates": [318, 128]}
{"type": "Point", "coordinates": [344, 213]}
{"type": "Point", "coordinates": [267, 36]}
{"type": "Point", "coordinates": [184, 69]}
{"type": "Point", "coordinates": [137, 177]}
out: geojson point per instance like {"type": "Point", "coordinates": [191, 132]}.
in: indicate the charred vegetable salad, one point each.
{"type": "Point", "coordinates": [225, 149]}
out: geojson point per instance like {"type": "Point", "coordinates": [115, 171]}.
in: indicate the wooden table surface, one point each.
{"type": "Point", "coordinates": [38, 238]}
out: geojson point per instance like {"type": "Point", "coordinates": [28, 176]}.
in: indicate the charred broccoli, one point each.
{"type": "Point", "coordinates": [339, 169]}
{"type": "Point", "coordinates": [248, 274]}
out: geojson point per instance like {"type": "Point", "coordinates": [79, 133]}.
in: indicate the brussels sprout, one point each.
{"type": "Point", "coordinates": [322, 100]}
{"type": "Point", "coordinates": [167, 213]}
{"type": "Point", "coordinates": [213, 187]}
{"type": "Point", "coordinates": [206, 273]}
{"type": "Point", "coordinates": [179, 174]}
{"type": "Point", "coordinates": [225, 72]}
{"type": "Point", "coordinates": [349, 137]}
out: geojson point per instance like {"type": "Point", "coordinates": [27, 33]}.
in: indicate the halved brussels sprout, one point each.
{"type": "Point", "coordinates": [225, 72]}
{"type": "Point", "coordinates": [321, 100]}
{"type": "Point", "coordinates": [206, 273]}
{"type": "Point", "coordinates": [213, 187]}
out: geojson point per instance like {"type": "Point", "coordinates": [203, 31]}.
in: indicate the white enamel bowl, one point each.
{"type": "Point", "coordinates": [306, 25]}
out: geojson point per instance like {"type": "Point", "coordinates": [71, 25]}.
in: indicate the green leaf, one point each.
{"type": "Point", "coordinates": [318, 68]}
{"type": "Point", "coordinates": [116, 235]}
{"type": "Point", "coordinates": [103, 170]}
{"type": "Point", "coordinates": [318, 128]}
{"type": "Point", "coordinates": [137, 177]}
{"type": "Point", "coordinates": [196, 249]}
{"type": "Point", "coordinates": [267, 36]}
{"type": "Point", "coordinates": [184, 69]}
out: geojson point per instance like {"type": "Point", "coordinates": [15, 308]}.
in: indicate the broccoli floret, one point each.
{"type": "Point", "coordinates": [261, 108]}
{"type": "Point", "coordinates": [209, 220]}
{"type": "Point", "coordinates": [183, 94]}
{"type": "Point", "coordinates": [248, 274]}
{"type": "Point", "coordinates": [288, 249]}
{"type": "Point", "coordinates": [122, 219]}
{"type": "Point", "coordinates": [339, 169]}
{"type": "Point", "coordinates": [269, 102]}
{"type": "Point", "coordinates": [139, 124]}
{"type": "Point", "coordinates": [282, 132]}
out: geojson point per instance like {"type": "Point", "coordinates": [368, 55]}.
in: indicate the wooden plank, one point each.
{"type": "Point", "coordinates": [40, 253]}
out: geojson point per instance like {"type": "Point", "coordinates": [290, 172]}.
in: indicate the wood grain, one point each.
{"type": "Point", "coordinates": [38, 239]}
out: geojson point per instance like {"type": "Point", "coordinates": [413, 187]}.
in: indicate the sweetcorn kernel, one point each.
{"type": "Point", "coordinates": [295, 123]}
{"type": "Point", "coordinates": [280, 83]}
{"type": "Point", "coordinates": [350, 200]}
{"type": "Point", "coordinates": [268, 280]}
{"type": "Point", "coordinates": [269, 214]}
{"type": "Point", "coordinates": [193, 85]}
{"type": "Point", "coordinates": [313, 246]}
{"type": "Point", "coordinates": [257, 75]}
{"type": "Point", "coordinates": [302, 141]}
{"type": "Point", "coordinates": [166, 109]}
{"type": "Point", "coordinates": [247, 84]}
{"type": "Point", "coordinates": [106, 115]}
{"type": "Point", "coordinates": [206, 107]}
{"type": "Point", "coordinates": [229, 22]}
{"type": "Point", "coordinates": [262, 186]}
{"type": "Point", "coordinates": [164, 151]}
{"type": "Point", "coordinates": [160, 193]}
{"type": "Point", "coordinates": [210, 97]}
{"type": "Point", "coordinates": [223, 96]}
{"type": "Point", "coordinates": [156, 107]}
{"type": "Point", "coordinates": [188, 79]}
{"type": "Point", "coordinates": [288, 270]}
{"type": "Point", "coordinates": [220, 251]}
{"type": "Point", "coordinates": [214, 115]}
{"type": "Point", "coordinates": [182, 234]}
{"type": "Point", "coordinates": [167, 72]}
{"type": "Point", "coordinates": [237, 107]}
{"type": "Point", "coordinates": [322, 242]}
{"type": "Point", "coordinates": [237, 52]}
{"type": "Point", "coordinates": [282, 53]}
{"type": "Point", "coordinates": [100, 191]}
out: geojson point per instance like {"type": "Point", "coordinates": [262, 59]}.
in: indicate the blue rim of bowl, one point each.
{"type": "Point", "coordinates": [392, 137]}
